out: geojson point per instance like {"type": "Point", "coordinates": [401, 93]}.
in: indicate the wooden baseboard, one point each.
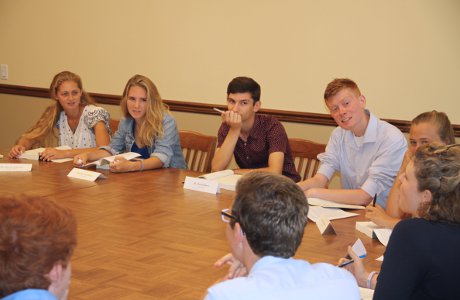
{"type": "Point", "coordinates": [204, 108]}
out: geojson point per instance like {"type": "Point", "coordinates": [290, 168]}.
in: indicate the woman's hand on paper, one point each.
{"type": "Point", "coordinates": [16, 151]}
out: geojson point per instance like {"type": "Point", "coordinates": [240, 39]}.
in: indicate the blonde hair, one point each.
{"type": "Point", "coordinates": [44, 133]}
{"type": "Point", "coordinates": [152, 127]}
{"type": "Point", "coordinates": [441, 121]}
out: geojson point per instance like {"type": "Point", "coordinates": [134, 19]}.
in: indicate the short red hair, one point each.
{"type": "Point", "coordinates": [35, 233]}
{"type": "Point", "coordinates": [338, 84]}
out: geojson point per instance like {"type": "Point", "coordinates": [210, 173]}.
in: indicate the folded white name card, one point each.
{"type": "Point", "coordinates": [325, 226]}
{"type": "Point", "coordinates": [85, 174]}
{"type": "Point", "coordinates": [201, 185]}
{"type": "Point", "coordinates": [15, 167]}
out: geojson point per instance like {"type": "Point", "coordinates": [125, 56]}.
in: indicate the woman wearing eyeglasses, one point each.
{"type": "Point", "coordinates": [422, 257]}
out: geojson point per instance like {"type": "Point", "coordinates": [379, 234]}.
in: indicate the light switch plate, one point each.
{"type": "Point", "coordinates": [4, 71]}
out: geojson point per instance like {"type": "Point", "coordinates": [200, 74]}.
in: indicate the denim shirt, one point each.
{"type": "Point", "coordinates": [167, 148]}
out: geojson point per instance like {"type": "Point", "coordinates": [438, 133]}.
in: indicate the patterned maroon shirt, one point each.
{"type": "Point", "coordinates": [266, 136]}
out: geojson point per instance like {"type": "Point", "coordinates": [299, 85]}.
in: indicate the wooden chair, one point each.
{"type": "Point", "coordinates": [198, 150]}
{"type": "Point", "coordinates": [305, 154]}
{"type": "Point", "coordinates": [113, 124]}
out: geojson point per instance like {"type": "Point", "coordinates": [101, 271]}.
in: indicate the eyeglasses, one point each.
{"type": "Point", "coordinates": [227, 217]}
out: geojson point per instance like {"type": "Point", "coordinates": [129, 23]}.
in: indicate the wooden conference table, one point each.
{"type": "Point", "coordinates": [142, 236]}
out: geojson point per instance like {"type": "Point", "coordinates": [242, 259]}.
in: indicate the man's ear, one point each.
{"type": "Point", "coordinates": [56, 273]}
{"type": "Point", "coordinates": [362, 101]}
{"type": "Point", "coordinates": [256, 106]}
{"type": "Point", "coordinates": [238, 233]}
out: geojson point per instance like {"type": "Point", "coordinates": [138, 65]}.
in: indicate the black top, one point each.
{"type": "Point", "coordinates": [422, 261]}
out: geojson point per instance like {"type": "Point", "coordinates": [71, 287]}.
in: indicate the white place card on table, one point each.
{"type": "Point", "coordinates": [201, 185]}
{"type": "Point", "coordinates": [15, 167]}
{"type": "Point", "coordinates": [85, 174]}
{"type": "Point", "coordinates": [325, 226]}
{"type": "Point", "coordinates": [359, 249]}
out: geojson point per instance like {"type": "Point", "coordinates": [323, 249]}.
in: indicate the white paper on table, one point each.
{"type": "Point", "coordinates": [227, 179]}
{"type": "Point", "coordinates": [34, 154]}
{"type": "Point", "coordinates": [15, 167]}
{"type": "Point", "coordinates": [316, 212]}
{"type": "Point", "coordinates": [326, 203]}
{"type": "Point", "coordinates": [103, 163]}
{"type": "Point", "coordinates": [380, 258]}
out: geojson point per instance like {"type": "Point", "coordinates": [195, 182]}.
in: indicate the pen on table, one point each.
{"type": "Point", "coordinates": [218, 110]}
{"type": "Point", "coordinates": [375, 200]}
{"type": "Point", "coordinates": [345, 263]}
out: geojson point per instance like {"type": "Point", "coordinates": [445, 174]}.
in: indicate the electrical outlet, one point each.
{"type": "Point", "coordinates": [4, 71]}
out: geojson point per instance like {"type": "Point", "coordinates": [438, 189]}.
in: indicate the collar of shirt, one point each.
{"type": "Point", "coordinates": [370, 136]}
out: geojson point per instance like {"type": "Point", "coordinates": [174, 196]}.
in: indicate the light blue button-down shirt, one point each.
{"type": "Point", "coordinates": [288, 279]}
{"type": "Point", "coordinates": [31, 294]}
{"type": "Point", "coordinates": [167, 148]}
{"type": "Point", "coordinates": [370, 165]}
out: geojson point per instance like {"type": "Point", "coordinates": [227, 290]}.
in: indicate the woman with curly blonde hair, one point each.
{"type": "Point", "coordinates": [147, 128]}
{"type": "Point", "coordinates": [73, 120]}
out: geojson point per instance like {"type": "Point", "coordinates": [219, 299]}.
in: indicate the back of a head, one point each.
{"type": "Point", "coordinates": [442, 123]}
{"type": "Point", "coordinates": [272, 211]}
{"type": "Point", "coordinates": [35, 234]}
{"type": "Point", "coordinates": [244, 85]}
{"type": "Point", "coordinates": [338, 84]}
{"type": "Point", "coordinates": [437, 169]}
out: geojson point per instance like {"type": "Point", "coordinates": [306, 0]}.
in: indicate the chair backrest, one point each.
{"type": "Point", "coordinates": [198, 150]}
{"type": "Point", "coordinates": [305, 154]}
{"type": "Point", "coordinates": [113, 124]}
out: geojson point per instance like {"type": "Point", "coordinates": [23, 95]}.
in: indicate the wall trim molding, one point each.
{"type": "Point", "coordinates": [205, 108]}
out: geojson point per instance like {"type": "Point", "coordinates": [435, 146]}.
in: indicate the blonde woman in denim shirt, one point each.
{"type": "Point", "coordinates": [146, 128]}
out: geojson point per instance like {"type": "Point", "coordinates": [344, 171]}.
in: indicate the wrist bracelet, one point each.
{"type": "Point", "coordinates": [142, 165]}
{"type": "Point", "coordinates": [369, 278]}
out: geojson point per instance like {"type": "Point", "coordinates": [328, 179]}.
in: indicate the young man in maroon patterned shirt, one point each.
{"type": "Point", "coordinates": [258, 142]}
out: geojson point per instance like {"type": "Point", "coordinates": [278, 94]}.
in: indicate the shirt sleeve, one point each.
{"type": "Point", "coordinates": [97, 114]}
{"type": "Point", "coordinates": [222, 134]}
{"type": "Point", "coordinates": [330, 162]}
{"type": "Point", "coordinates": [164, 145]}
{"type": "Point", "coordinates": [386, 164]}
{"type": "Point", "coordinates": [405, 262]}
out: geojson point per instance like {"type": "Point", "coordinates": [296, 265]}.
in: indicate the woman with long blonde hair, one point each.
{"type": "Point", "coordinates": [73, 120]}
{"type": "Point", "coordinates": [146, 128]}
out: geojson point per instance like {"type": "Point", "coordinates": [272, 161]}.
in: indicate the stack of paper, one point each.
{"type": "Point", "coordinates": [316, 212]}
{"type": "Point", "coordinates": [103, 163]}
{"type": "Point", "coordinates": [327, 203]}
{"type": "Point", "coordinates": [227, 179]}
{"type": "Point", "coordinates": [372, 230]}
{"type": "Point", "coordinates": [34, 154]}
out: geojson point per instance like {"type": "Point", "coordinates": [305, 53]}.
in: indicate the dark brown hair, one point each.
{"type": "Point", "coordinates": [272, 211]}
